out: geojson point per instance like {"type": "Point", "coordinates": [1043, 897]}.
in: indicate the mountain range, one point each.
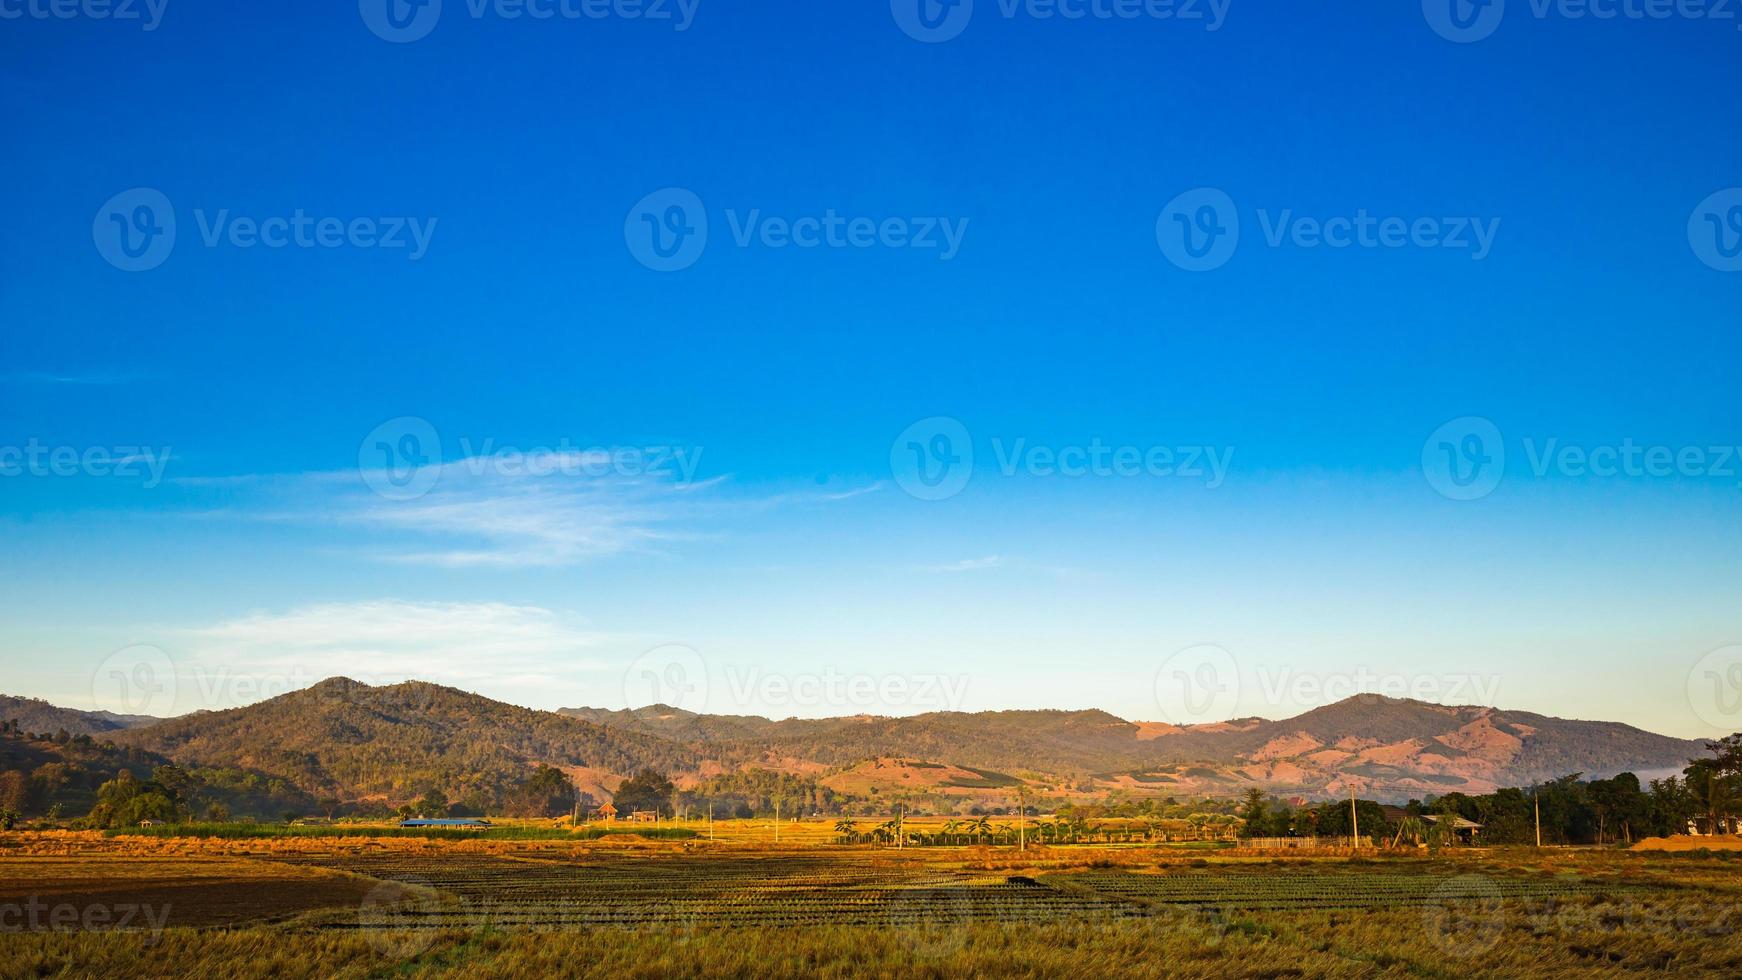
{"type": "Point", "coordinates": [354, 742]}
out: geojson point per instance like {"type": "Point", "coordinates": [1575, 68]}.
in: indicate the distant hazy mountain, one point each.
{"type": "Point", "coordinates": [1379, 746]}
{"type": "Point", "coordinates": [358, 742]}
{"type": "Point", "coordinates": [33, 715]}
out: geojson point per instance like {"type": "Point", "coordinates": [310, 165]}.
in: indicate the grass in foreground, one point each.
{"type": "Point", "coordinates": [240, 831]}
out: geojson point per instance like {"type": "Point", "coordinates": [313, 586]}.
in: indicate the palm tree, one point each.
{"type": "Point", "coordinates": [982, 828]}
{"type": "Point", "coordinates": [1412, 829]}
{"type": "Point", "coordinates": [848, 830]}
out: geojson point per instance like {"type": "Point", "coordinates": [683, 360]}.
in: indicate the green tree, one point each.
{"type": "Point", "coordinates": [548, 792]}
{"type": "Point", "coordinates": [646, 790]}
{"type": "Point", "coordinates": [432, 804]}
{"type": "Point", "coordinates": [1254, 808]}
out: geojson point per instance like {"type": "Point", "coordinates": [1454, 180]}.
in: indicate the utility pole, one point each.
{"type": "Point", "coordinates": [1354, 820]}
{"type": "Point", "coordinates": [900, 837]}
{"type": "Point", "coordinates": [1021, 820]}
{"type": "Point", "coordinates": [777, 819]}
{"type": "Point", "coordinates": [575, 815]}
{"type": "Point", "coordinates": [1536, 801]}
{"type": "Point", "coordinates": [710, 820]}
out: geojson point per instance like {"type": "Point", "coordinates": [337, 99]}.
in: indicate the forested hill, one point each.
{"type": "Point", "coordinates": [357, 742]}
{"type": "Point", "coordinates": [33, 715]}
{"type": "Point", "coordinates": [388, 745]}
{"type": "Point", "coordinates": [1388, 747]}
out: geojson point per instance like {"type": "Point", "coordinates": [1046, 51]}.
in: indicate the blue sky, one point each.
{"type": "Point", "coordinates": [1324, 559]}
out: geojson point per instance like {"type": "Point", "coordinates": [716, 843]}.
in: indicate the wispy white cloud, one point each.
{"type": "Point", "coordinates": [73, 378]}
{"type": "Point", "coordinates": [968, 564]}
{"type": "Point", "coordinates": [523, 521]}
{"type": "Point", "coordinates": [484, 646]}
{"type": "Point", "coordinates": [513, 510]}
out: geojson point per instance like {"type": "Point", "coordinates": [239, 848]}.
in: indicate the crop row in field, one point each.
{"type": "Point", "coordinates": [787, 890]}
{"type": "Point", "coordinates": [1318, 889]}
{"type": "Point", "coordinates": [243, 831]}
{"type": "Point", "coordinates": [799, 889]}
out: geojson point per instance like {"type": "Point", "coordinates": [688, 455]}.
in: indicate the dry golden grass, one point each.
{"type": "Point", "coordinates": [1635, 912]}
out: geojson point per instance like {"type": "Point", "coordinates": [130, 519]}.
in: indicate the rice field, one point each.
{"type": "Point", "coordinates": [623, 906]}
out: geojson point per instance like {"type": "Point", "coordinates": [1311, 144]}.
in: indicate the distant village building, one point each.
{"type": "Point", "coordinates": [644, 816]}
{"type": "Point", "coordinates": [1465, 829]}
{"type": "Point", "coordinates": [606, 812]}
